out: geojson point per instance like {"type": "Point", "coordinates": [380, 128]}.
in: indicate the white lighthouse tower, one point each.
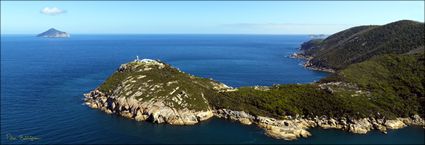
{"type": "Point", "coordinates": [137, 59]}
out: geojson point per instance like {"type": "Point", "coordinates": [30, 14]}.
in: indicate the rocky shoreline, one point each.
{"type": "Point", "coordinates": [296, 127]}
{"type": "Point", "coordinates": [153, 110]}
{"type": "Point", "coordinates": [308, 64]}
{"type": "Point", "coordinates": [287, 129]}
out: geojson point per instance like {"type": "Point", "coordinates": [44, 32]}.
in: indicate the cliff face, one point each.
{"type": "Point", "coordinates": [154, 110]}
{"type": "Point", "coordinates": [155, 91]}
{"type": "Point", "coordinates": [53, 33]}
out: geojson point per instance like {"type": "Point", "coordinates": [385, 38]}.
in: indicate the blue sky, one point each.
{"type": "Point", "coordinates": [207, 17]}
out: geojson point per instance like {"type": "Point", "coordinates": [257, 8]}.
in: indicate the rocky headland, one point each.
{"type": "Point", "coordinates": [150, 90]}
{"type": "Point", "coordinates": [154, 91]}
{"type": "Point", "coordinates": [368, 90]}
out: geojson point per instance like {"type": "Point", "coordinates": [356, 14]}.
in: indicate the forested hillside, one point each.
{"type": "Point", "coordinates": [361, 43]}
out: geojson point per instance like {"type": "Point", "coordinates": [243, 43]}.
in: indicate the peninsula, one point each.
{"type": "Point", "coordinates": [379, 85]}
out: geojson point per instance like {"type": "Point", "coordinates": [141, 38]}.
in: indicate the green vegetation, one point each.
{"type": "Point", "coordinates": [311, 47]}
{"type": "Point", "coordinates": [396, 81]}
{"type": "Point", "coordinates": [283, 100]}
{"type": "Point", "coordinates": [146, 81]}
{"type": "Point", "coordinates": [380, 72]}
{"type": "Point", "coordinates": [388, 85]}
{"type": "Point", "coordinates": [358, 44]}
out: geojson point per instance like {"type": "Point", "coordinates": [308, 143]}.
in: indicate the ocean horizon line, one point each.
{"type": "Point", "coordinates": [168, 34]}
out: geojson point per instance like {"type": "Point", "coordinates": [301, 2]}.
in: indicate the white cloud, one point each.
{"type": "Point", "coordinates": [52, 11]}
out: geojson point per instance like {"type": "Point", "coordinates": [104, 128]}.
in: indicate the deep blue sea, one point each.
{"type": "Point", "coordinates": [43, 81]}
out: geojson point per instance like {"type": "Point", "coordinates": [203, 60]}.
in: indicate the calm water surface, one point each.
{"type": "Point", "coordinates": [42, 82]}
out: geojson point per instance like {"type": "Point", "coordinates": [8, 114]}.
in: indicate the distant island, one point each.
{"type": "Point", "coordinates": [377, 82]}
{"type": "Point", "coordinates": [53, 33]}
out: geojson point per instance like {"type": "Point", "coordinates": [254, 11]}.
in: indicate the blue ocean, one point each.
{"type": "Point", "coordinates": [43, 82]}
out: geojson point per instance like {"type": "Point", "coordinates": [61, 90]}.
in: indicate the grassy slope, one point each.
{"type": "Point", "coordinates": [194, 87]}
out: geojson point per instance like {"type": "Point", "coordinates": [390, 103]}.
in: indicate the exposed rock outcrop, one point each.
{"type": "Point", "coordinates": [296, 127]}
{"type": "Point", "coordinates": [280, 129]}
{"type": "Point", "coordinates": [154, 111]}
{"type": "Point", "coordinates": [240, 116]}
{"type": "Point", "coordinates": [394, 124]}
{"type": "Point", "coordinates": [154, 91]}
